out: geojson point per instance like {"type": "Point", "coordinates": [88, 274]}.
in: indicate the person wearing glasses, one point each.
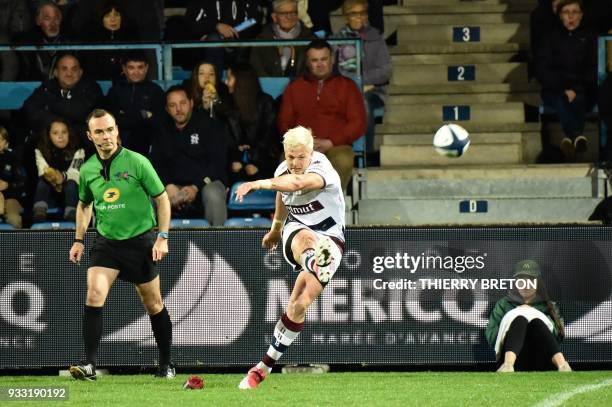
{"type": "Point", "coordinates": [567, 70]}
{"type": "Point", "coordinates": [289, 61]}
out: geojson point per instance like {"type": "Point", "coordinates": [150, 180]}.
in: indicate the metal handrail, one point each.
{"type": "Point", "coordinates": [163, 50]}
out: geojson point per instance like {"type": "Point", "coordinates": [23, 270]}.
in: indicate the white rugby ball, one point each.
{"type": "Point", "coordinates": [451, 140]}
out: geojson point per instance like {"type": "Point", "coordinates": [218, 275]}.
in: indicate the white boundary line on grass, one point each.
{"type": "Point", "coordinates": [559, 398]}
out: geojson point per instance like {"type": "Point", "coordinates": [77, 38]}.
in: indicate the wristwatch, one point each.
{"type": "Point", "coordinates": [163, 235]}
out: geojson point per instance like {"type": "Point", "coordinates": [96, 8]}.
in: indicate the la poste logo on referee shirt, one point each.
{"type": "Point", "coordinates": [111, 195]}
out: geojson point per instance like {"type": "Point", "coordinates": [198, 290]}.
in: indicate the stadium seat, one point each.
{"type": "Point", "coordinates": [6, 226]}
{"type": "Point", "coordinates": [273, 86]}
{"type": "Point", "coordinates": [260, 200]}
{"type": "Point", "coordinates": [379, 112]}
{"type": "Point", "coordinates": [189, 223]}
{"type": "Point", "coordinates": [180, 73]}
{"type": "Point", "coordinates": [359, 149]}
{"type": "Point", "coordinates": [248, 222]}
{"type": "Point", "coordinates": [53, 225]}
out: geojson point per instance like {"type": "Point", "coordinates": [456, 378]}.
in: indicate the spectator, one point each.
{"type": "Point", "coordinates": [111, 26]}
{"type": "Point", "coordinates": [331, 105]}
{"type": "Point", "coordinates": [251, 118]}
{"type": "Point", "coordinates": [147, 15]}
{"type": "Point", "coordinates": [14, 21]}
{"type": "Point", "coordinates": [319, 13]}
{"type": "Point", "coordinates": [38, 65]}
{"type": "Point", "coordinates": [283, 60]}
{"type": "Point", "coordinates": [11, 183]}
{"type": "Point", "coordinates": [68, 95]}
{"type": "Point", "coordinates": [66, 6]}
{"type": "Point", "coordinates": [375, 63]}
{"type": "Point", "coordinates": [209, 94]}
{"type": "Point", "coordinates": [136, 103]}
{"type": "Point", "coordinates": [15, 18]}
{"type": "Point", "coordinates": [191, 159]}
{"type": "Point", "coordinates": [58, 159]}
{"type": "Point", "coordinates": [525, 327]}
{"type": "Point", "coordinates": [542, 20]}
{"type": "Point", "coordinates": [217, 20]}
{"type": "Point", "coordinates": [145, 19]}
{"type": "Point", "coordinates": [567, 68]}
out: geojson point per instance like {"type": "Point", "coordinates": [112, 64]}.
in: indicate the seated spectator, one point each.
{"type": "Point", "coordinates": [283, 60]}
{"type": "Point", "coordinates": [137, 104]}
{"type": "Point", "coordinates": [329, 104]}
{"type": "Point", "coordinates": [208, 20]}
{"type": "Point", "coordinates": [38, 65]}
{"type": "Point", "coordinates": [14, 21]}
{"type": "Point", "coordinates": [525, 327]}
{"type": "Point", "coordinates": [319, 13]}
{"type": "Point", "coordinates": [15, 18]}
{"type": "Point", "coordinates": [58, 160]}
{"type": "Point", "coordinates": [148, 16]}
{"type": "Point", "coordinates": [191, 160]}
{"type": "Point", "coordinates": [375, 63]}
{"type": "Point", "coordinates": [209, 94]}
{"type": "Point", "coordinates": [251, 121]}
{"type": "Point", "coordinates": [111, 26]}
{"type": "Point", "coordinates": [11, 183]}
{"type": "Point", "coordinates": [542, 20]}
{"type": "Point", "coordinates": [144, 17]}
{"type": "Point", "coordinates": [219, 18]}
{"type": "Point", "coordinates": [68, 95]}
{"type": "Point", "coordinates": [567, 71]}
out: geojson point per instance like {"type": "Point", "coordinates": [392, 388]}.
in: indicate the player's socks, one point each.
{"type": "Point", "coordinates": [285, 333]}
{"type": "Point", "coordinates": [162, 330]}
{"type": "Point", "coordinates": [307, 258]}
{"type": "Point", "coordinates": [92, 331]}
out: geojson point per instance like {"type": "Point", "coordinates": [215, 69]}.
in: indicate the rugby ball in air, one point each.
{"type": "Point", "coordinates": [451, 140]}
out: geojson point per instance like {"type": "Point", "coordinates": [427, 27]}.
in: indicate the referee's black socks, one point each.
{"type": "Point", "coordinates": [92, 331]}
{"type": "Point", "coordinates": [162, 330]}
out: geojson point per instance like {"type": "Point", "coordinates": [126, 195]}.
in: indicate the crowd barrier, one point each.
{"type": "Point", "coordinates": [401, 297]}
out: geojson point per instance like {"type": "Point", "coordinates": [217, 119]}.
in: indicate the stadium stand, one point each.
{"type": "Point", "coordinates": [189, 223]}
{"type": "Point", "coordinates": [471, 70]}
{"type": "Point", "coordinates": [261, 200]}
{"type": "Point", "coordinates": [255, 221]}
{"type": "Point", "coordinates": [53, 225]}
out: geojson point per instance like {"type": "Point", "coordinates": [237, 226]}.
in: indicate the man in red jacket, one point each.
{"type": "Point", "coordinates": [329, 104]}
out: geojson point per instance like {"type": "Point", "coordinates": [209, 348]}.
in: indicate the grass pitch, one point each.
{"type": "Point", "coordinates": [593, 388]}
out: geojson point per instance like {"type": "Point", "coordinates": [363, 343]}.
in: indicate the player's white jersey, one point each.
{"type": "Point", "coordinates": [322, 210]}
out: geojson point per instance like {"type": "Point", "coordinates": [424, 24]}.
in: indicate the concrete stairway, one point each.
{"type": "Point", "coordinates": [480, 195]}
{"type": "Point", "coordinates": [452, 54]}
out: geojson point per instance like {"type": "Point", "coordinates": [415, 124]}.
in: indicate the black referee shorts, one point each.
{"type": "Point", "coordinates": [132, 257]}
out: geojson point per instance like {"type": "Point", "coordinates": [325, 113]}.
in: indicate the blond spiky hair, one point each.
{"type": "Point", "coordinates": [298, 136]}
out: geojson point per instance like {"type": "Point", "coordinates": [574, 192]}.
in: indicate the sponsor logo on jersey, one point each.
{"type": "Point", "coordinates": [311, 207]}
{"type": "Point", "coordinates": [122, 175]}
{"type": "Point", "coordinates": [111, 195]}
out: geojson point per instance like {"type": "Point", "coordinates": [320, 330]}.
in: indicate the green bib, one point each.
{"type": "Point", "coordinates": [121, 189]}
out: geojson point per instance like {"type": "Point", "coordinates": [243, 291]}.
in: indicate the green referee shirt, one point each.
{"type": "Point", "coordinates": [120, 189]}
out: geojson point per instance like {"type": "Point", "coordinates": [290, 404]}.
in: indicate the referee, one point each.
{"type": "Point", "coordinates": [119, 183]}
